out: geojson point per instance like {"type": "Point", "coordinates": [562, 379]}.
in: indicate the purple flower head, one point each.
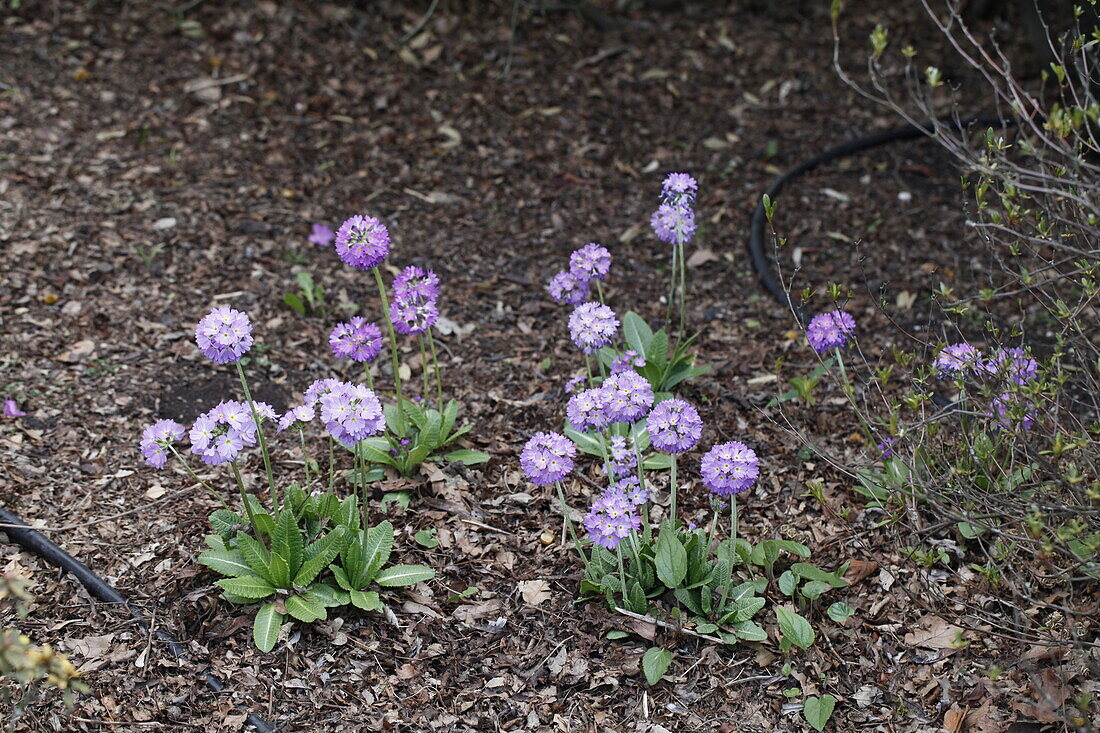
{"type": "Point", "coordinates": [628, 396]}
{"type": "Point", "coordinates": [411, 317]}
{"type": "Point", "coordinates": [886, 448]}
{"type": "Point", "coordinates": [622, 459]}
{"type": "Point", "coordinates": [828, 331]}
{"type": "Point", "coordinates": [352, 413]}
{"type": "Point", "coordinates": [679, 188]}
{"type": "Point", "coordinates": [592, 326]}
{"type": "Point", "coordinates": [592, 261]}
{"type": "Point", "coordinates": [158, 436]}
{"type": "Point", "coordinates": [224, 335]}
{"type": "Point", "coordinates": [957, 359]}
{"type": "Point", "coordinates": [265, 411]}
{"type": "Point", "coordinates": [611, 519]}
{"type": "Point", "coordinates": [1013, 364]}
{"type": "Point", "coordinates": [627, 361]}
{"type": "Point", "coordinates": [628, 488]}
{"type": "Point", "coordinates": [296, 417]}
{"type": "Point", "coordinates": [547, 458]}
{"type": "Point", "coordinates": [363, 242]}
{"type": "Point", "coordinates": [572, 384]}
{"type": "Point", "coordinates": [415, 284]}
{"type": "Point", "coordinates": [219, 435]}
{"type": "Point", "coordinates": [587, 410]}
{"type": "Point", "coordinates": [1011, 411]}
{"type": "Point", "coordinates": [673, 223]}
{"type": "Point", "coordinates": [730, 468]}
{"type": "Point", "coordinates": [357, 340]}
{"type": "Point", "coordinates": [565, 287]}
{"type": "Point", "coordinates": [321, 235]}
{"type": "Point", "coordinates": [11, 409]}
{"type": "Point", "coordinates": [320, 388]}
{"type": "Point", "coordinates": [674, 426]}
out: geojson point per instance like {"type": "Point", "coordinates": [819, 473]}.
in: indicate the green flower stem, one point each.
{"type": "Point", "coordinates": [683, 286]}
{"type": "Point", "coordinates": [569, 523]}
{"type": "Point", "coordinates": [671, 290]}
{"type": "Point", "coordinates": [622, 571]}
{"type": "Point", "coordinates": [733, 518]}
{"type": "Point", "coordinates": [425, 371]}
{"type": "Point", "coordinates": [647, 530]}
{"type": "Point", "coordinates": [438, 375]}
{"type": "Point", "coordinates": [402, 427]}
{"type": "Point", "coordinates": [331, 464]}
{"type": "Point", "coordinates": [361, 472]}
{"type": "Point", "coordinates": [672, 490]}
{"type": "Point", "coordinates": [263, 441]}
{"type": "Point", "coordinates": [367, 376]}
{"type": "Point", "coordinates": [849, 393]}
{"type": "Point", "coordinates": [305, 456]}
{"type": "Point", "coordinates": [245, 501]}
{"type": "Point", "coordinates": [733, 552]}
{"type": "Point", "coordinates": [588, 368]}
{"type": "Point", "coordinates": [599, 292]}
{"type": "Point", "coordinates": [195, 476]}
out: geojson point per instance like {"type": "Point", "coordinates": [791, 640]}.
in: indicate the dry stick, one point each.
{"type": "Point", "coordinates": [666, 625]}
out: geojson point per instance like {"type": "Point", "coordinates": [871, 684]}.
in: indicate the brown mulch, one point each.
{"type": "Point", "coordinates": [157, 161]}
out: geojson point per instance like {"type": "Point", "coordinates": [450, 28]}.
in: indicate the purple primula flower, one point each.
{"type": "Point", "coordinates": [1012, 411]}
{"type": "Point", "coordinates": [321, 235]}
{"type": "Point", "coordinates": [363, 242]}
{"type": "Point", "coordinates": [730, 468]}
{"type": "Point", "coordinates": [586, 410]}
{"type": "Point", "coordinates": [219, 435]}
{"type": "Point", "coordinates": [590, 262]}
{"type": "Point", "coordinates": [356, 339]}
{"type": "Point", "coordinates": [886, 448]}
{"type": "Point", "coordinates": [224, 335]}
{"type": "Point", "coordinates": [828, 331]}
{"type": "Point", "coordinates": [679, 188]}
{"type": "Point", "coordinates": [352, 413]}
{"type": "Point", "coordinates": [957, 359]}
{"type": "Point", "coordinates": [266, 412]}
{"type": "Point", "coordinates": [572, 384]}
{"type": "Point", "coordinates": [415, 284]}
{"type": "Point", "coordinates": [1013, 364]}
{"type": "Point", "coordinates": [674, 426]}
{"type": "Point", "coordinates": [156, 438]}
{"type": "Point", "coordinates": [673, 224]}
{"type": "Point", "coordinates": [565, 287]}
{"type": "Point", "coordinates": [11, 409]}
{"type": "Point", "coordinates": [320, 388]}
{"type": "Point", "coordinates": [627, 361]}
{"type": "Point", "coordinates": [296, 417]}
{"type": "Point", "coordinates": [622, 459]}
{"type": "Point", "coordinates": [547, 457]}
{"type": "Point", "coordinates": [411, 317]}
{"type": "Point", "coordinates": [592, 326]}
{"type": "Point", "coordinates": [628, 396]}
{"type": "Point", "coordinates": [628, 488]}
{"type": "Point", "coordinates": [611, 519]}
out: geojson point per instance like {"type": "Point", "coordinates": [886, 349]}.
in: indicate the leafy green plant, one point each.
{"type": "Point", "coordinates": [310, 297]}
{"type": "Point", "coordinates": [666, 366]}
{"type": "Point", "coordinates": [428, 431]}
{"type": "Point", "coordinates": [655, 663]}
{"type": "Point", "coordinates": [818, 710]}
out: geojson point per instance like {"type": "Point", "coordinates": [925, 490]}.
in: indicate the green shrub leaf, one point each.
{"type": "Point", "coordinates": [399, 575]}
{"type": "Point", "coordinates": [795, 629]}
{"type": "Point", "coordinates": [818, 710]}
{"type": "Point", "coordinates": [655, 663]}
{"type": "Point", "coordinates": [265, 627]}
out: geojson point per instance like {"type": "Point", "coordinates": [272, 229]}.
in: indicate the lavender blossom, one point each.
{"type": "Point", "coordinates": [547, 458]}
{"type": "Point", "coordinates": [415, 284]}
{"type": "Point", "coordinates": [11, 409]}
{"type": "Point", "coordinates": [590, 262]}
{"type": "Point", "coordinates": [158, 436]}
{"type": "Point", "coordinates": [828, 331]}
{"type": "Point", "coordinates": [623, 460]}
{"type": "Point", "coordinates": [730, 468]}
{"type": "Point", "coordinates": [627, 361]}
{"type": "Point", "coordinates": [674, 426]}
{"type": "Point", "coordinates": [592, 326]}
{"type": "Point", "coordinates": [565, 287]}
{"type": "Point", "coordinates": [1012, 411]}
{"type": "Point", "coordinates": [219, 435]}
{"type": "Point", "coordinates": [886, 448]}
{"type": "Point", "coordinates": [413, 317]}
{"type": "Point", "coordinates": [628, 488]}
{"type": "Point", "coordinates": [296, 417]}
{"type": "Point", "coordinates": [363, 242]}
{"type": "Point", "coordinates": [610, 520]}
{"type": "Point", "coordinates": [351, 414]}
{"type": "Point", "coordinates": [679, 188]}
{"type": "Point", "coordinates": [356, 339]}
{"type": "Point", "coordinates": [224, 335]}
{"type": "Point", "coordinates": [572, 384]}
{"type": "Point", "coordinates": [673, 223]}
{"type": "Point", "coordinates": [587, 410]}
{"type": "Point", "coordinates": [320, 388]}
{"type": "Point", "coordinates": [957, 359]}
{"type": "Point", "coordinates": [1014, 364]}
{"type": "Point", "coordinates": [321, 235]}
{"type": "Point", "coordinates": [628, 396]}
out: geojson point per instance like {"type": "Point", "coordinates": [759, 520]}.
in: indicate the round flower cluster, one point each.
{"type": "Point", "coordinates": [960, 358]}
{"type": "Point", "coordinates": [674, 426]}
{"type": "Point", "coordinates": [219, 435]}
{"type": "Point", "coordinates": [611, 519]}
{"type": "Point", "coordinates": [351, 412]}
{"type": "Point", "coordinates": [319, 389]}
{"type": "Point", "coordinates": [356, 339]}
{"type": "Point", "coordinates": [547, 458]}
{"type": "Point", "coordinates": [415, 283]}
{"type": "Point", "coordinates": [587, 410]}
{"type": "Point", "coordinates": [296, 417]}
{"type": "Point", "coordinates": [158, 436]}
{"type": "Point", "coordinates": [592, 326]}
{"type": "Point", "coordinates": [828, 331]}
{"type": "Point", "coordinates": [321, 235]}
{"type": "Point", "coordinates": [730, 468]}
{"type": "Point", "coordinates": [628, 396]}
{"type": "Point", "coordinates": [224, 335]}
{"type": "Point", "coordinates": [622, 460]}
{"type": "Point", "coordinates": [415, 294]}
{"type": "Point", "coordinates": [678, 188]}
{"type": "Point", "coordinates": [590, 262]}
{"type": "Point", "coordinates": [1013, 364]}
{"type": "Point", "coordinates": [565, 287]}
{"type": "Point", "coordinates": [673, 223]}
{"type": "Point", "coordinates": [628, 488]}
{"type": "Point", "coordinates": [627, 361]}
{"type": "Point", "coordinates": [1010, 411]}
{"type": "Point", "coordinates": [362, 242]}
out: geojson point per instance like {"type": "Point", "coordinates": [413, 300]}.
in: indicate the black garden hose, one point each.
{"type": "Point", "coordinates": [36, 543]}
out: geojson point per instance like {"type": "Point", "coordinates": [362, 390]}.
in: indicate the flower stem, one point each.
{"type": "Point", "coordinates": [425, 371]}
{"type": "Point", "coordinates": [195, 476]}
{"type": "Point", "coordinates": [245, 501]}
{"type": "Point", "coordinates": [569, 523]}
{"type": "Point", "coordinates": [647, 531]}
{"type": "Point", "coordinates": [331, 464]}
{"type": "Point", "coordinates": [671, 290]}
{"type": "Point", "coordinates": [402, 427]}
{"type": "Point", "coordinates": [622, 571]}
{"type": "Point", "coordinates": [438, 375]}
{"type": "Point", "coordinates": [263, 441]}
{"type": "Point", "coordinates": [305, 458]}
{"type": "Point", "coordinates": [599, 292]}
{"type": "Point", "coordinates": [672, 490]}
{"type": "Point", "coordinates": [683, 286]}
{"type": "Point", "coordinates": [367, 376]}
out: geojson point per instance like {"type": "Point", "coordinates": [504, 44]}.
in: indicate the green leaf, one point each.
{"type": "Point", "coordinates": [655, 663]}
{"type": "Point", "coordinates": [657, 462]}
{"type": "Point", "coordinates": [416, 415]}
{"type": "Point", "coordinates": [588, 443]}
{"type": "Point", "coordinates": [743, 610]}
{"type": "Point", "coordinates": [809, 572]}
{"type": "Point", "coordinates": [330, 597]}
{"type": "Point", "coordinates": [226, 562]}
{"type": "Point", "coordinates": [765, 554]}
{"type": "Point", "coordinates": [750, 631]}
{"type": "Point", "coordinates": [637, 333]}
{"type": "Point", "coordinates": [788, 581]}
{"type": "Point", "coordinates": [225, 523]}
{"type": "Point", "coordinates": [297, 306]}
{"type": "Point", "coordinates": [795, 548]}
{"type": "Point", "coordinates": [670, 558]}
{"type": "Point", "coordinates": [376, 450]}
{"type": "Point", "coordinates": [287, 540]}
{"type": "Point", "coordinates": [615, 634]}
{"type": "Point", "coordinates": [306, 607]}
{"type": "Point", "coordinates": [265, 627]}
{"type": "Point", "coordinates": [399, 575]}
{"type": "Point", "coordinates": [818, 710]}
{"type": "Point", "coordinates": [467, 456]}
{"type": "Point", "coordinates": [814, 588]}
{"type": "Point", "coordinates": [377, 544]}
{"type": "Point", "coordinates": [366, 600]}
{"type": "Point", "coordinates": [341, 577]}
{"type": "Point", "coordinates": [257, 556]}
{"type": "Point", "coordinates": [840, 612]}
{"type": "Point", "coordinates": [706, 628]}
{"type": "Point", "coordinates": [323, 551]}
{"type": "Point", "coordinates": [794, 628]}
{"type": "Point", "coordinates": [397, 498]}
{"type": "Point", "coordinates": [450, 414]}
{"type": "Point", "coordinates": [249, 586]}
{"type": "Point", "coordinates": [427, 538]}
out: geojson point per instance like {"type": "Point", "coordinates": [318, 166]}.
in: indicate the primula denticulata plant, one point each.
{"type": "Point", "coordinates": [638, 556]}
{"type": "Point", "coordinates": [305, 549]}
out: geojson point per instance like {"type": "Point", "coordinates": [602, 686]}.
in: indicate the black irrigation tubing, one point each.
{"type": "Point", "coordinates": [763, 264]}
{"type": "Point", "coordinates": [36, 543]}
